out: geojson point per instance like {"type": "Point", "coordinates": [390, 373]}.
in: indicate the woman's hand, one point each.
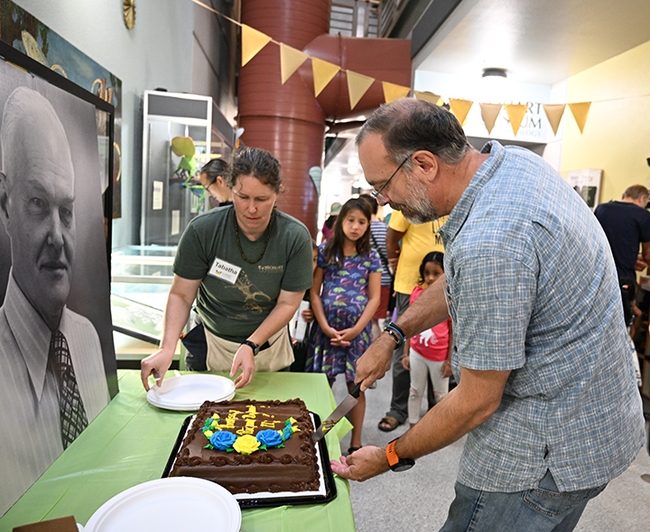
{"type": "Point", "coordinates": [308, 315]}
{"type": "Point", "coordinates": [244, 360]}
{"type": "Point", "coordinates": [157, 365]}
{"type": "Point", "coordinates": [406, 363]}
{"type": "Point", "coordinates": [446, 369]}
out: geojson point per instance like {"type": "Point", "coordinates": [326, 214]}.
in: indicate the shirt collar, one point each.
{"type": "Point", "coordinates": [31, 333]}
{"type": "Point", "coordinates": [461, 210]}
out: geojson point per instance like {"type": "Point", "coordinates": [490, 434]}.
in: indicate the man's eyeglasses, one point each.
{"type": "Point", "coordinates": [207, 188]}
{"type": "Point", "coordinates": [377, 193]}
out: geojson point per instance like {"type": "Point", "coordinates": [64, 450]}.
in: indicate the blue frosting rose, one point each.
{"type": "Point", "coordinates": [270, 438]}
{"type": "Point", "coordinates": [223, 440]}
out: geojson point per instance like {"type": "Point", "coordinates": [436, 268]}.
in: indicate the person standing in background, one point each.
{"type": "Point", "coordinates": [416, 241]}
{"type": "Point", "coordinates": [428, 354]}
{"type": "Point", "coordinates": [627, 225]}
{"type": "Point", "coordinates": [378, 241]}
{"type": "Point", "coordinates": [344, 297]}
{"type": "Point", "coordinates": [213, 177]}
{"type": "Point", "coordinates": [328, 226]}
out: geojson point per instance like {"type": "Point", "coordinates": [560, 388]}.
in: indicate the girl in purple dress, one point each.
{"type": "Point", "coordinates": [344, 298]}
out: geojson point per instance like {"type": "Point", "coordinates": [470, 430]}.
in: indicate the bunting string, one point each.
{"type": "Point", "coordinates": [253, 41]}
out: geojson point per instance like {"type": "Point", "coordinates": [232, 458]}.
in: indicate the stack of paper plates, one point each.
{"type": "Point", "coordinates": [201, 505]}
{"type": "Point", "coordinates": [188, 392]}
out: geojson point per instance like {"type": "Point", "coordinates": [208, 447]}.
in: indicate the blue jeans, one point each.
{"type": "Point", "coordinates": [543, 509]}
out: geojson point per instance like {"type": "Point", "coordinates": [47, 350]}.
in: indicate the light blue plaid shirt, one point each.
{"type": "Point", "coordinates": [532, 288]}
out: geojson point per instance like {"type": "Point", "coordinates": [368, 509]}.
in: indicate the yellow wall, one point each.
{"type": "Point", "coordinates": [616, 136]}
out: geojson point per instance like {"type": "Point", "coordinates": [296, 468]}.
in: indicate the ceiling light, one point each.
{"type": "Point", "coordinates": [499, 72]}
{"type": "Point", "coordinates": [494, 86]}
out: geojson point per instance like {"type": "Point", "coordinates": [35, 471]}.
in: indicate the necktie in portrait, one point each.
{"type": "Point", "coordinates": [73, 413]}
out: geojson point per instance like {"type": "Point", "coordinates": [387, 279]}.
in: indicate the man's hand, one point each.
{"type": "Point", "coordinates": [157, 365]}
{"type": "Point", "coordinates": [244, 360]}
{"type": "Point", "coordinates": [374, 363]}
{"type": "Point", "coordinates": [363, 464]}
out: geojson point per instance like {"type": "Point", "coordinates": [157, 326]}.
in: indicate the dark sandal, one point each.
{"type": "Point", "coordinates": [388, 424]}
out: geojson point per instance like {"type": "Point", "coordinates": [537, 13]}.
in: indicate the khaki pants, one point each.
{"type": "Point", "coordinates": [276, 357]}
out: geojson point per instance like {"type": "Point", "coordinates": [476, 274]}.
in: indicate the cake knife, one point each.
{"type": "Point", "coordinates": [343, 408]}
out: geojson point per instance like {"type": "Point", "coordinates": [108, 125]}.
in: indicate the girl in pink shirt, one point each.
{"type": "Point", "coordinates": [429, 352]}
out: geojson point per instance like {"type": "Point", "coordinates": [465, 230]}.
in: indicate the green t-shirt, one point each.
{"type": "Point", "coordinates": [232, 302]}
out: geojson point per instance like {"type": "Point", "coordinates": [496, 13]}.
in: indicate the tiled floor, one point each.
{"type": "Point", "coordinates": [417, 500]}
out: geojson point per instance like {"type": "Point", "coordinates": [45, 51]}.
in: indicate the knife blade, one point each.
{"type": "Point", "coordinates": [343, 408]}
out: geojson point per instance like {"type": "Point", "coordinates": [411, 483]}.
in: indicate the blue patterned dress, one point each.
{"type": "Point", "coordinates": [344, 295]}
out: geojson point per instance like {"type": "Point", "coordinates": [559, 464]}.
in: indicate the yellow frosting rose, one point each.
{"type": "Point", "coordinates": [246, 444]}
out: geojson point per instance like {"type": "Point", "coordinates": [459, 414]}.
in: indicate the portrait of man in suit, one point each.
{"type": "Point", "coordinates": [53, 379]}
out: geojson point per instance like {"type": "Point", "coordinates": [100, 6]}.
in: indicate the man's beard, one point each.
{"type": "Point", "coordinates": [419, 209]}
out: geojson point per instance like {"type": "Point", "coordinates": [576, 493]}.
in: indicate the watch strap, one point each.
{"type": "Point", "coordinates": [395, 462]}
{"type": "Point", "coordinates": [252, 345]}
{"type": "Point", "coordinates": [391, 455]}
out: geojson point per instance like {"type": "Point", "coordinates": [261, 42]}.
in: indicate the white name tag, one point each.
{"type": "Point", "coordinates": [224, 270]}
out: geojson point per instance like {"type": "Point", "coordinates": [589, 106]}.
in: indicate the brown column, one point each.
{"type": "Point", "coordinates": [287, 119]}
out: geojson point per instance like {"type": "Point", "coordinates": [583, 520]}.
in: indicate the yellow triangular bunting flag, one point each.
{"type": "Point", "coordinates": [489, 113]}
{"type": "Point", "coordinates": [252, 41]}
{"type": "Point", "coordinates": [358, 85]}
{"type": "Point", "coordinates": [460, 108]}
{"type": "Point", "coordinates": [290, 60]}
{"type": "Point", "coordinates": [427, 97]}
{"type": "Point", "coordinates": [324, 71]}
{"type": "Point", "coordinates": [394, 92]}
{"type": "Point", "coordinates": [516, 112]}
{"type": "Point", "coordinates": [580, 112]}
{"type": "Point", "coordinates": [554, 112]}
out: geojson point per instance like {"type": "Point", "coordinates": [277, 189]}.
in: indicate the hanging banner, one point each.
{"type": "Point", "coordinates": [428, 97]}
{"type": "Point", "coordinates": [580, 112]}
{"type": "Point", "coordinates": [516, 112]}
{"type": "Point", "coordinates": [489, 113]}
{"type": "Point", "coordinates": [252, 41]}
{"type": "Point", "coordinates": [323, 71]}
{"type": "Point", "coordinates": [358, 85]}
{"type": "Point", "coordinates": [394, 92]}
{"type": "Point", "coordinates": [460, 108]}
{"type": "Point", "coordinates": [554, 114]}
{"type": "Point", "coordinates": [290, 61]}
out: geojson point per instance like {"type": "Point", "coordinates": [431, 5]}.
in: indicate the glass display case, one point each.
{"type": "Point", "coordinates": [140, 280]}
{"type": "Point", "coordinates": [171, 192]}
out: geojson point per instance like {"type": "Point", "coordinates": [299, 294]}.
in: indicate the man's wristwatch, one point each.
{"type": "Point", "coordinates": [252, 345]}
{"type": "Point", "coordinates": [395, 462]}
{"type": "Point", "coordinates": [397, 334]}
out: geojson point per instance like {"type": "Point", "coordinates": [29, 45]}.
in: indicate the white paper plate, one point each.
{"type": "Point", "coordinates": [169, 505]}
{"type": "Point", "coordinates": [189, 407]}
{"type": "Point", "coordinates": [188, 392]}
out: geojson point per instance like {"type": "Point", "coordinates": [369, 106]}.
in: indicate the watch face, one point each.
{"type": "Point", "coordinates": [403, 465]}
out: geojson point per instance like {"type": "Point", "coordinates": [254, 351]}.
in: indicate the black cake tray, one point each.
{"type": "Point", "coordinates": [266, 502]}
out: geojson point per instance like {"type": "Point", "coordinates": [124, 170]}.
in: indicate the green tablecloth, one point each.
{"type": "Point", "coordinates": [130, 443]}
